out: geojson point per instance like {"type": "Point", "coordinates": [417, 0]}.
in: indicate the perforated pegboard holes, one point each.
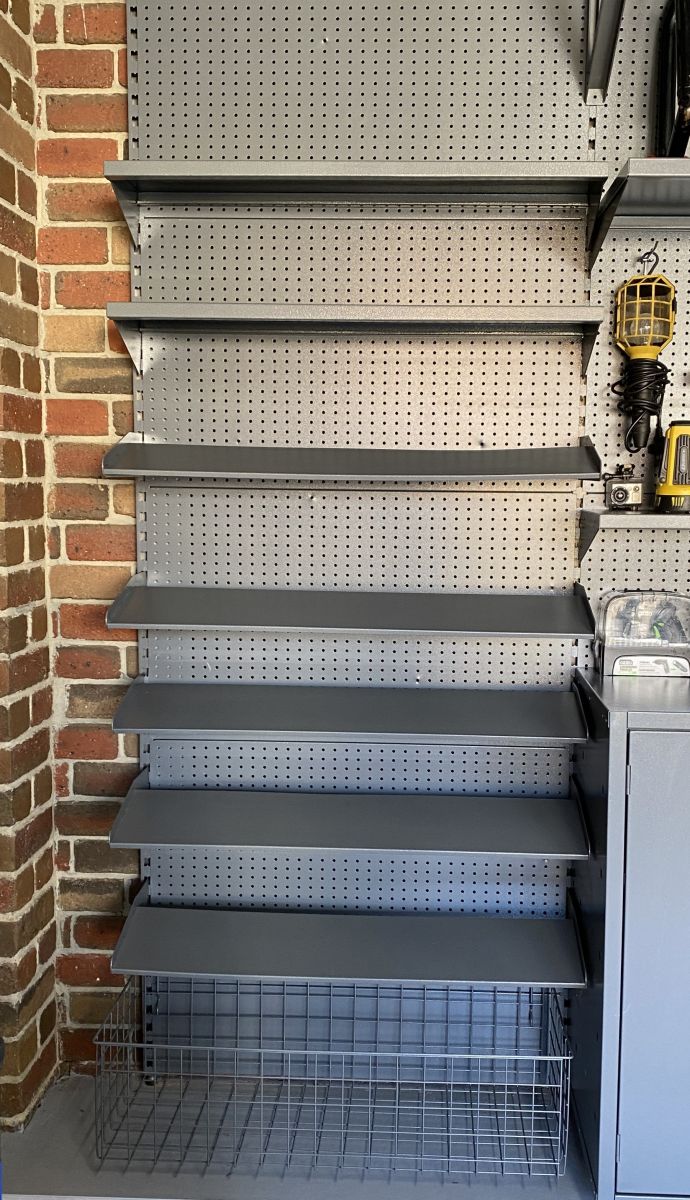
{"type": "Point", "coordinates": [433, 661]}
{"type": "Point", "coordinates": [349, 881]}
{"type": "Point", "coordinates": [382, 391]}
{"type": "Point", "coordinates": [358, 255]}
{"type": "Point", "coordinates": [369, 540]}
{"type": "Point", "coordinates": [361, 81]}
{"type": "Point", "coordinates": [364, 768]}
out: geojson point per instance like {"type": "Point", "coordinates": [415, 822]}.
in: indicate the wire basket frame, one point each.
{"type": "Point", "coordinates": [232, 1075]}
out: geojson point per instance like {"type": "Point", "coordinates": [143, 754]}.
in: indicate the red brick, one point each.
{"type": "Point", "coordinates": [21, 14]}
{"type": "Point", "coordinates": [20, 846]}
{"type": "Point", "coordinates": [39, 624]}
{"type": "Point", "coordinates": [78, 1049]}
{"type": "Point", "coordinates": [103, 779]}
{"type": "Point", "coordinates": [16, 890]}
{"type": "Point", "coordinates": [42, 787]}
{"type": "Point", "coordinates": [8, 177]}
{"type": "Point", "coordinates": [82, 202]}
{"type": "Point", "coordinates": [74, 156]}
{"type": "Point", "coordinates": [22, 414]}
{"type": "Point", "coordinates": [16, 50]}
{"type": "Point", "coordinates": [15, 719]}
{"type": "Point", "coordinates": [17, 1095]}
{"type": "Point", "coordinates": [83, 818]}
{"type": "Point", "coordinates": [18, 323]}
{"type": "Point", "coordinates": [17, 233]}
{"type": "Point", "coordinates": [92, 23]}
{"type": "Point", "coordinates": [25, 586]}
{"type": "Point", "coordinates": [79, 500]}
{"type": "Point", "coordinates": [76, 417]}
{"type": "Point", "coordinates": [74, 68]}
{"type": "Point", "coordinates": [90, 289]}
{"type": "Point", "coordinates": [11, 457]}
{"type": "Point", "coordinates": [86, 741]}
{"type": "Point", "coordinates": [46, 945]}
{"type": "Point", "coordinates": [41, 706]}
{"type": "Point", "coordinates": [28, 669]}
{"type": "Point", "coordinates": [87, 113]}
{"type": "Point", "coordinates": [78, 460]}
{"type": "Point", "coordinates": [37, 542]}
{"type": "Point", "coordinates": [11, 549]}
{"type": "Point", "coordinates": [21, 501]}
{"type": "Point", "coordinates": [90, 895]}
{"type": "Point", "coordinates": [45, 29]}
{"type": "Point", "coordinates": [114, 543]}
{"type": "Point", "coordinates": [115, 341]}
{"type": "Point", "coordinates": [86, 622]}
{"type": "Point", "coordinates": [16, 141]}
{"type": "Point", "coordinates": [34, 455]}
{"type": "Point", "coordinates": [22, 757]}
{"type": "Point", "coordinates": [86, 970]}
{"type": "Point", "coordinates": [27, 193]}
{"type": "Point", "coordinates": [28, 285]}
{"type": "Point", "coordinates": [32, 380]}
{"type": "Point", "coordinates": [93, 856]}
{"type": "Point", "coordinates": [122, 76]}
{"type": "Point", "coordinates": [94, 701]}
{"type": "Point", "coordinates": [58, 244]}
{"type": "Point", "coordinates": [24, 101]}
{"type": "Point", "coordinates": [89, 376]}
{"type": "Point", "coordinates": [13, 634]}
{"type": "Point", "coordinates": [83, 662]}
{"type": "Point", "coordinates": [97, 933]}
{"type": "Point", "coordinates": [88, 582]}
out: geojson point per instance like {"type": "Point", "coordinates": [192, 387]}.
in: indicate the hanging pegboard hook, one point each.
{"type": "Point", "coordinates": [650, 259]}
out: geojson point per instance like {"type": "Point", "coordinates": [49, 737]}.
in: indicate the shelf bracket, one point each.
{"type": "Point", "coordinates": [604, 20]}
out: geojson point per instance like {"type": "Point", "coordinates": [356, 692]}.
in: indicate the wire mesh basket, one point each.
{"type": "Point", "coordinates": [232, 1075]}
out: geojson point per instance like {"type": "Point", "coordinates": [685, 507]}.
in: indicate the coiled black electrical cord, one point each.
{"type": "Point", "coordinates": [641, 390]}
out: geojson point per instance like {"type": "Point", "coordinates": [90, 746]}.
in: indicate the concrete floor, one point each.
{"type": "Point", "coordinates": [55, 1156]}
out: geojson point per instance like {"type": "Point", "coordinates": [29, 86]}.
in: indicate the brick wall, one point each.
{"type": "Point", "coordinates": [27, 918]}
{"type": "Point", "coordinates": [83, 256]}
{"type": "Point", "coordinates": [67, 537]}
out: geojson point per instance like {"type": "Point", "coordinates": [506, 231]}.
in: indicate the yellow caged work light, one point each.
{"type": "Point", "coordinates": [645, 316]}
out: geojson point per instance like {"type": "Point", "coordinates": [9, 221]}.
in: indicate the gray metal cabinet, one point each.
{"type": "Point", "coordinates": [654, 1109]}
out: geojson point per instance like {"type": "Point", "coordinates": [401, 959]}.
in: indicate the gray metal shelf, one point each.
{"type": "Point", "coordinates": [648, 192]}
{"type": "Point", "coordinates": [440, 716]}
{"type": "Point", "coordinates": [433, 948]}
{"type": "Point", "coordinates": [133, 317]}
{"type": "Point", "coordinates": [524, 826]}
{"type": "Point", "coordinates": [145, 606]}
{"type": "Point", "coordinates": [138, 182]}
{"type": "Point", "coordinates": [133, 457]}
{"type": "Point", "coordinates": [592, 520]}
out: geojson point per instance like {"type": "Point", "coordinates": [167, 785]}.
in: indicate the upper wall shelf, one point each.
{"type": "Point", "coordinates": [145, 606]}
{"type": "Point", "coordinates": [299, 712]}
{"type": "Point", "coordinates": [649, 192]}
{"type": "Point", "coordinates": [132, 318]}
{"type": "Point", "coordinates": [387, 182]}
{"type": "Point", "coordinates": [134, 457]}
{"type": "Point", "coordinates": [594, 519]}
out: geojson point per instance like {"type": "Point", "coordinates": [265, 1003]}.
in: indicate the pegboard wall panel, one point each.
{"type": "Point", "coordinates": [637, 558]}
{"type": "Point", "coordinates": [361, 256]}
{"type": "Point", "coordinates": [370, 540]}
{"type": "Point", "coordinates": [263, 878]}
{"type": "Point", "coordinates": [367, 768]}
{"type": "Point", "coordinates": [378, 391]}
{"type": "Point", "coordinates": [370, 661]}
{"type": "Point", "coordinates": [360, 81]}
{"type": "Point", "coordinates": [624, 123]}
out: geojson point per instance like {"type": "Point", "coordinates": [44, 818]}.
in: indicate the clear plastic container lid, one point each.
{"type": "Point", "coordinates": [649, 620]}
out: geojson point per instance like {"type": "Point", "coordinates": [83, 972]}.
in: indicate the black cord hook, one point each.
{"type": "Point", "coordinates": [650, 259]}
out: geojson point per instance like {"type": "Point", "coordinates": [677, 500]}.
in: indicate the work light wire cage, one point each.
{"type": "Point", "coordinates": [246, 1075]}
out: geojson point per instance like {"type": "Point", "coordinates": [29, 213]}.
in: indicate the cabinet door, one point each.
{"type": "Point", "coordinates": [654, 1110]}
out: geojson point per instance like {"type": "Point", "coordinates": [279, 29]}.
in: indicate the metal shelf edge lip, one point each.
{"type": "Point", "coordinates": [140, 606]}
{"type": "Point", "coordinates": [646, 190]}
{"type": "Point", "coordinates": [356, 947]}
{"type": "Point", "coordinates": [576, 318]}
{"type": "Point", "coordinates": [525, 826]}
{"type": "Point", "coordinates": [437, 716]}
{"type": "Point", "coordinates": [532, 179]}
{"type": "Point", "coordinates": [133, 457]}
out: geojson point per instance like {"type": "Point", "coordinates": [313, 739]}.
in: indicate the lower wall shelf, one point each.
{"type": "Point", "coordinates": [252, 944]}
{"type": "Point", "coordinates": [439, 716]}
{"type": "Point", "coordinates": [526, 826]}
